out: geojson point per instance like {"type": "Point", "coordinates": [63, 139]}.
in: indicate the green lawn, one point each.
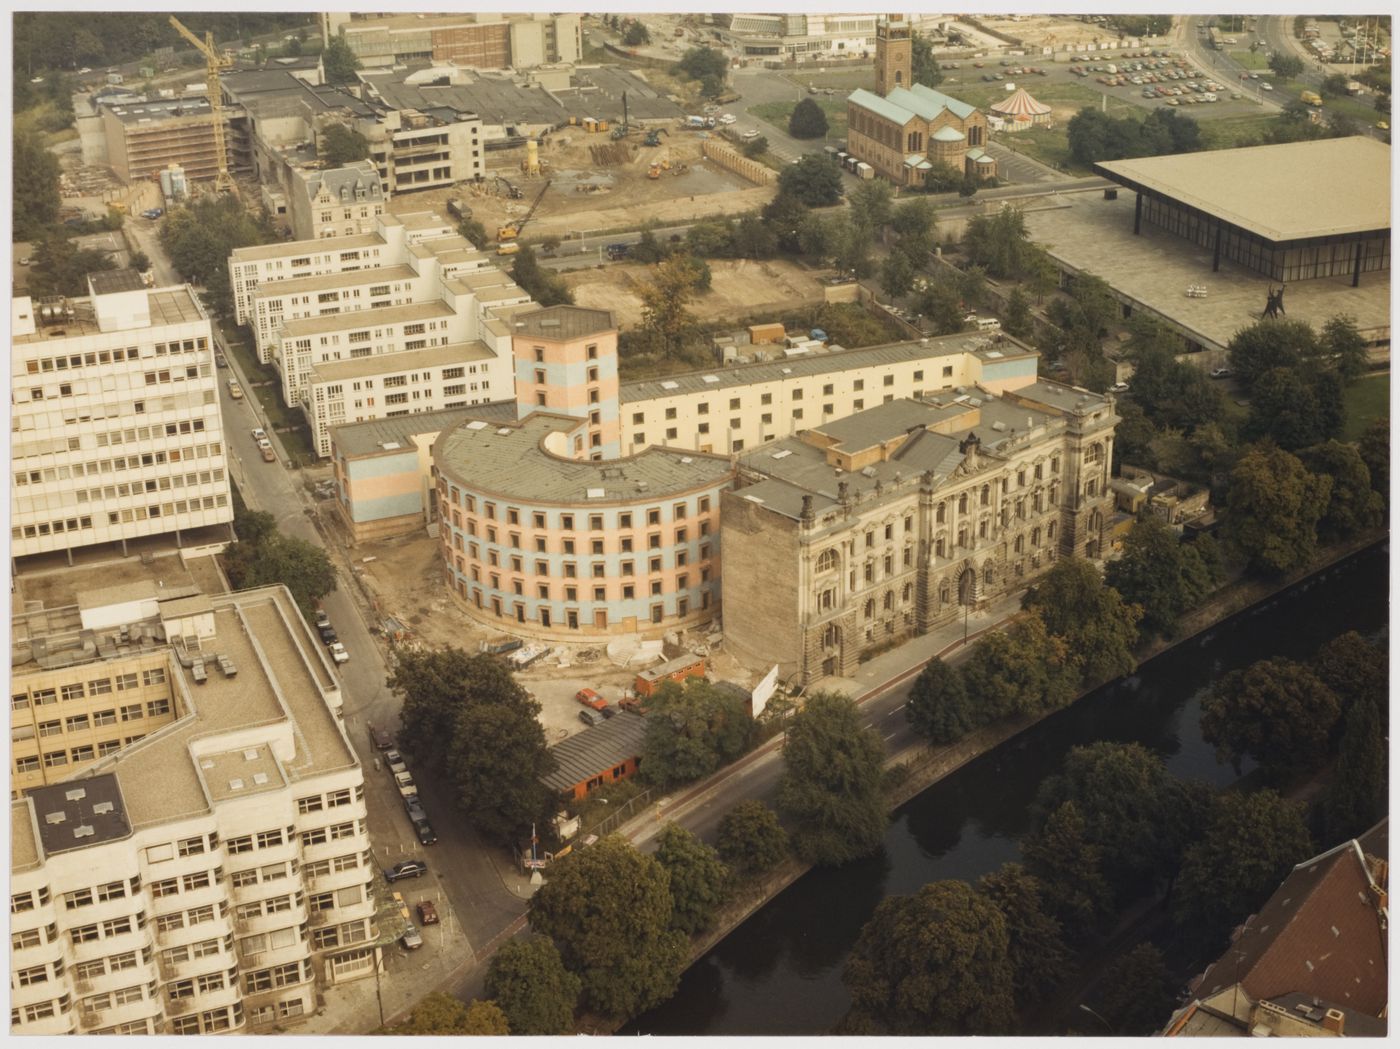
{"type": "Point", "coordinates": [1366, 400]}
{"type": "Point", "coordinates": [1250, 59]}
{"type": "Point", "coordinates": [777, 114]}
{"type": "Point", "coordinates": [1233, 131]}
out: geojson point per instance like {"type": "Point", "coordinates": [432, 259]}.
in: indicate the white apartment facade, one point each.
{"type": "Point", "coordinates": [420, 324]}
{"type": "Point", "coordinates": [213, 875]}
{"type": "Point", "coordinates": [737, 408]}
{"type": "Point", "coordinates": [413, 150]}
{"type": "Point", "coordinates": [116, 428]}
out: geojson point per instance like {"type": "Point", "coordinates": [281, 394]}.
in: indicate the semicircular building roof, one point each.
{"type": "Point", "coordinates": [1021, 103]}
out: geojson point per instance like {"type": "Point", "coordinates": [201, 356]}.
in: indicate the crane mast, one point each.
{"type": "Point", "coordinates": [214, 62]}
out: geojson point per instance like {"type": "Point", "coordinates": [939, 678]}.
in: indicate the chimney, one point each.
{"type": "Point", "coordinates": [1334, 1021]}
{"type": "Point", "coordinates": [808, 516]}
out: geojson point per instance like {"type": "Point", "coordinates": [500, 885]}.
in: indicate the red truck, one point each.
{"type": "Point", "coordinates": [589, 698]}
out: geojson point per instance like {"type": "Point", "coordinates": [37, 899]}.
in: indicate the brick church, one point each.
{"type": "Point", "coordinates": [905, 130]}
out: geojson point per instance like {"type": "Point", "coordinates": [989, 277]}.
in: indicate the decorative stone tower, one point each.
{"type": "Point", "coordinates": [894, 54]}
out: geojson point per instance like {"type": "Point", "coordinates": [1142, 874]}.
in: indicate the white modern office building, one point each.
{"type": "Point", "coordinates": [116, 432]}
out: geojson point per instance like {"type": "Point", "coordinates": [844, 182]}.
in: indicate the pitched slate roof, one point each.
{"type": "Point", "coordinates": [881, 107]}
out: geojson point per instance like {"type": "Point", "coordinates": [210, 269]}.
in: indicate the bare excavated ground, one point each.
{"type": "Point", "coordinates": [738, 288]}
{"type": "Point", "coordinates": [589, 194]}
{"type": "Point", "coordinates": [1048, 30]}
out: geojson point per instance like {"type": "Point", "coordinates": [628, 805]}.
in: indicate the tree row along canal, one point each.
{"type": "Point", "coordinates": [780, 971]}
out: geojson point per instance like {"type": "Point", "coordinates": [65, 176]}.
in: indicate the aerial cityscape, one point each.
{"type": "Point", "coordinates": [700, 524]}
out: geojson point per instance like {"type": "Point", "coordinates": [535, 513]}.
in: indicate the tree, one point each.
{"type": "Point", "coordinates": [474, 231]}
{"type": "Point", "coordinates": [1160, 574]}
{"type": "Point", "coordinates": [441, 1014]}
{"type": "Point", "coordinates": [807, 120]}
{"type": "Point", "coordinates": [34, 191]}
{"type": "Point", "coordinates": [1249, 843]}
{"type": "Point", "coordinates": [998, 242]}
{"type": "Point", "coordinates": [1344, 348]}
{"type": "Point", "coordinates": [484, 1018]}
{"type": "Point", "coordinates": [1287, 65]}
{"type": "Point", "coordinates": [699, 879]}
{"type": "Point", "coordinates": [1017, 318]}
{"type": "Point", "coordinates": [664, 300]}
{"type": "Point", "coordinates": [813, 180]}
{"type": "Point", "coordinates": [466, 717]}
{"type": "Point", "coordinates": [199, 238]}
{"type": "Point", "coordinates": [830, 790]}
{"type": "Point", "coordinates": [784, 215]}
{"type": "Point", "coordinates": [938, 707]}
{"type": "Point", "coordinates": [608, 910]}
{"type": "Point", "coordinates": [850, 246]}
{"type": "Point", "coordinates": [1353, 505]}
{"type": "Point", "coordinates": [545, 287]}
{"type": "Point", "coordinates": [61, 268]}
{"type": "Point", "coordinates": [1355, 797]}
{"type": "Point", "coordinates": [1275, 711]}
{"type": "Point", "coordinates": [751, 841]}
{"type": "Point", "coordinates": [275, 558]}
{"type": "Point", "coordinates": [933, 963]}
{"type": "Point", "coordinates": [1274, 507]}
{"type": "Point", "coordinates": [897, 275]}
{"type": "Point", "coordinates": [1356, 670]}
{"type": "Point", "coordinates": [1374, 447]}
{"type": "Point", "coordinates": [698, 63]}
{"type": "Point", "coordinates": [339, 62]}
{"type": "Point", "coordinates": [872, 205]}
{"type": "Point", "coordinates": [1035, 944]}
{"type": "Point", "coordinates": [1269, 344]}
{"type": "Point", "coordinates": [1070, 868]}
{"type": "Point", "coordinates": [1132, 810]}
{"type": "Point", "coordinates": [140, 261]}
{"type": "Point", "coordinates": [497, 758]}
{"type": "Point", "coordinates": [341, 144]}
{"type": "Point", "coordinates": [925, 67]}
{"type": "Point", "coordinates": [754, 239]}
{"type": "Point", "coordinates": [1022, 670]}
{"type": "Point", "coordinates": [527, 979]}
{"type": "Point", "coordinates": [1139, 993]}
{"type": "Point", "coordinates": [1295, 407]}
{"type": "Point", "coordinates": [754, 147]}
{"type": "Point", "coordinates": [1099, 627]}
{"type": "Point", "coordinates": [636, 34]}
{"type": "Point", "coordinates": [692, 729]}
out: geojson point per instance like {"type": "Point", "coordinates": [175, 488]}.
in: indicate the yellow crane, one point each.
{"type": "Point", "coordinates": [214, 62]}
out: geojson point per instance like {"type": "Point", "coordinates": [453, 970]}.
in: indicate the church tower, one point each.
{"type": "Point", "coordinates": [894, 54]}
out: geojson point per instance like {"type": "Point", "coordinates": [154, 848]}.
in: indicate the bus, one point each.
{"type": "Point", "coordinates": [1214, 38]}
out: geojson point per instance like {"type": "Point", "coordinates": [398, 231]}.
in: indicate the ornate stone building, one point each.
{"type": "Point", "coordinates": [882, 525]}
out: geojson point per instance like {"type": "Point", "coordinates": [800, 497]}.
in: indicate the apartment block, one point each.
{"type": "Point", "coordinates": [116, 428]}
{"type": "Point", "coordinates": [484, 41]}
{"type": "Point", "coordinates": [413, 149]}
{"type": "Point", "coordinates": [212, 874]}
{"type": "Point", "coordinates": [737, 408]}
{"type": "Point", "coordinates": [417, 321]}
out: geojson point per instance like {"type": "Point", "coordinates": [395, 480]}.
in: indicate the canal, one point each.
{"type": "Point", "coordinates": [780, 972]}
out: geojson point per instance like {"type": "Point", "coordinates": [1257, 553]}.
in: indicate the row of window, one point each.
{"type": "Point", "coordinates": [56, 759]}
{"type": "Point", "coordinates": [271, 905]}
{"type": "Point", "coordinates": [20, 941]}
{"type": "Point", "coordinates": [336, 798]}
{"type": "Point", "coordinates": [96, 467]}
{"type": "Point", "coordinates": [186, 883]}
{"type": "Point", "coordinates": [42, 697]}
{"type": "Point", "coordinates": [204, 984]}
{"type": "Point", "coordinates": [572, 617]}
{"type": "Point", "coordinates": [600, 591]}
{"type": "Point", "coordinates": [564, 521]}
{"type": "Point", "coordinates": [109, 928]}
{"type": "Point", "coordinates": [121, 996]}
{"type": "Point", "coordinates": [209, 1022]}
{"type": "Point", "coordinates": [277, 976]}
{"type": "Point", "coordinates": [85, 722]}
{"type": "Point", "coordinates": [79, 360]}
{"type": "Point", "coordinates": [569, 548]}
{"type": "Point", "coordinates": [269, 873]}
{"type": "Point", "coordinates": [123, 491]}
{"type": "Point", "coordinates": [194, 951]}
{"type": "Point", "coordinates": [167, 923]}
{"type": "Point", "coordinates": [112, 890]}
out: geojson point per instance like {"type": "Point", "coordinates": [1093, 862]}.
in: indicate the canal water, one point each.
{"type": "Point", "coordinates": [780, 972]}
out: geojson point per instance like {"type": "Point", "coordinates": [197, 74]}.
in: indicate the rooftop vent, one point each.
{"type": "Point", "coordinates": [710, 378]}
{"type": "Point", "coordinates": [53, 819]}
{"type": "Point", "coordinates": [596, 493]}
{"type": "Point", "coordinates": [251, 754]}
{"type": "Point", "coordinates": [687, 459]}
{"type": "Point", "coordinates": [85, 831]}
{"type": "Point", "coordinates": [206, 764]}
{"type": "Point", "coordinates": [102, 808]}
{"type": "Point", "coordinates": [390, 446]}
{"type": "Point", "coordinates": [235, 784]}
{"type": "Point", "coordinates": [504, 431]}
{"type": "Point", "coordinates": [77, 794]}
{"type": "Point", "coordinates": [669, 385]}
{"type": "Point", "coordinates": [782, 453]}
{"type": "Point", "coordinates": [260, 778]}
{"type": "Point", "coordinates": [869, 471]}
{"type": "Point", "coordinates": [549, 322]}
{"type": "Point", "coordinates": [476, 424]}
{"type": "Point", "coordinates": [998, 426]}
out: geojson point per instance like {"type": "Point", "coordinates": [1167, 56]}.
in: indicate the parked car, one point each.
{"type": "Point", "coordinates": [427, 913]}
{"type": "Point", "coordinates": [235, 390]}
{"type": "Point", "coordinates": [328, 635]}
{"type": "Point", "coordinates": [338, 653]}
{"type": "Point", "coordinates": [266, 451]}
{"type": "Point", "coordinates": [24, 261]}
{"type": "Point", "coordinates": [394, 761]}
{"type": "Point", "coordinates": [1221, 373]}
{"type": "Point", "coordinates": [220, 359]}
{"type": "Point", "coordinates": [591, 717]}
{"type": "Point", "coordinates": [412, 939]}
{"type": "Point", "coordinates": [727, 118]}
{"type": "Point", "coordinates": [322, 618]}
{"type": "Point", "coordinates": [380, 739]}
{"type": "Point", "coordinates": [1119, 387]}
{"type": "Point", "coordinates": [405, 869]}
{"type": "Point", "coordinates": [259, 434]}
{"type": "Point", "coordinates": [589, 698]}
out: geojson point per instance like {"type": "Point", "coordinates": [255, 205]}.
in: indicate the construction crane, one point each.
{"type": "Point", "coordinates": [214, 62]}
{"type": "Point", "coordinates": [512, 230]}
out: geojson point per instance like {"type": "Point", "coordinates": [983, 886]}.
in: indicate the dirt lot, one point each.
{"type": "Point", "coordinates": [738, 288]}
{"type": "Point", "coordinates": [1048, 30]}
{"type": "Point", "coordinates": [406, 579]}
{"type": "Point", "coordinates": [585, 197]}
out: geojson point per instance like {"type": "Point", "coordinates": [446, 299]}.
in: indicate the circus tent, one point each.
{"type": "Point", "coordinates": [1020, 109]}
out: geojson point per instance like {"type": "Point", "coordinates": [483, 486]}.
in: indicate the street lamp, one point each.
{"type": "Point", "coordinates": [1097, 1017]}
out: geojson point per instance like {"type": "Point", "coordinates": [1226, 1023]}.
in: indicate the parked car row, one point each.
{"type": "Point", "coordinates": [596, 709]}
{"type": "Point", "coordinates": [323, 621]}
{"type": "Point", "coordinates": [408, 791]}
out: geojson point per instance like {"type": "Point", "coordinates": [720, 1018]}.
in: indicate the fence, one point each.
{"type": "Point", "coordinates": [623, 813]}
{"type": "Point", "coordinates": [752, 170]}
